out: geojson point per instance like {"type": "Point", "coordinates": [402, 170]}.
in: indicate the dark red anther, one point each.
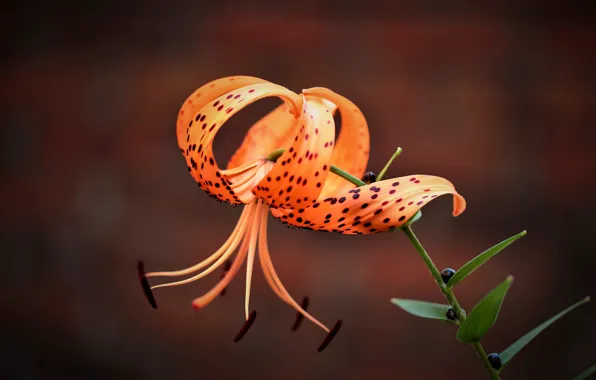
{"type": "Point", "coordinates": [299, 316]}
{"type": "Point", "coordinates": [246, 326]}
{"type": "Point", "coordinates": [330, 336]}
{"type": "Point", "coordinates": [226, 268]}
{"type": "Point", "coordinates": [145, 285]}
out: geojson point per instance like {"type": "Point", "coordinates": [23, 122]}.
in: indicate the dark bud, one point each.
{"type": "Point", "coordinates": [226, 268]}
{"type": "Point", "coordinates": [145, 285]}
{"type": "Point", "coordinates": [450, 314]}
{"type": "Point", "coordinates": [299, 316]}
{"type": "Point", "coordinates": [446, 274]}
{"type": "Point", "coordinates": [330, 336]}
{"type": "Point", "coordinates": [369, 177]}
{"type": "Point", "coordinates": [495, 360]}
{"type": "Point", "coordinates": [251, 319]}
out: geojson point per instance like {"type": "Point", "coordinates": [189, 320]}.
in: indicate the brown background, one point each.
{"type": "Point", "coordinates": [499, 98]}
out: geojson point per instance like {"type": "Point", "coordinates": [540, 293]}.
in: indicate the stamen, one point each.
{"type": "Point", "coordinates": [299, 316]}
{"type": "Point", "coordinates": [208, 297]}
{"type": "Point", "coordinates": [145, 284]}
{"type": "Point", "coordinates": [226, 268]}
{"type": "Point", "coordinates": [275, 282]}
{"type": "Point", "coordinates": [330, 336]}
{"type": "Point", "coordinates": [269, 279]}
{"type": "Point", "coordinates": [204, 273]}
{"type": "Point", "coordinates": [251, 256]}
{"type": "Point", "coordinates": [249, 321]}
{"type": "Point", "coordinates": [223, 257]}
{"type": "Point", "coordinates": [238, 230]}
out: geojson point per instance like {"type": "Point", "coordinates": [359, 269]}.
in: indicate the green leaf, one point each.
{"type": "Point", "coordinates": [512, 350]}
{"type": "Point", "coordinates": [586, 373]}
{"type": "Point", "coordinates": [479, 260]}
{"type": "Point", "coordinates": [423, 309]}
{"type": "Point", "coordinates": [484, 314]}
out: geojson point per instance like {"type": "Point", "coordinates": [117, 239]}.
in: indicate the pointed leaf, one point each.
{"type": "Point", "coordinates": [484, 314]}
{"type": "Point", "coordinates": [423, 309]}
{"type": "Point", "coordinates": [512, 350]}
{"type": "Point", "coordinates": [586, 373]}
{"type": "Point", "coordinates": [479, 260]}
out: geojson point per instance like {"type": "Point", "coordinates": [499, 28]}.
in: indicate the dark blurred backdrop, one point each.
{"type": "Point", "coordinates": [499, 98]}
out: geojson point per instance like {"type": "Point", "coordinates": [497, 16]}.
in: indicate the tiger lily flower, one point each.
{"type": "Point", "coordinates": [297, 188]}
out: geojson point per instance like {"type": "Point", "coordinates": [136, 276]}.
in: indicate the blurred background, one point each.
{"type": "Point", "coordinates": [498, 98]}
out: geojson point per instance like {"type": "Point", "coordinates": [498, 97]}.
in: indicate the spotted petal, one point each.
{"type": "Point", "coordinates": [378, 207]}
{"type": "Point", "coordinates": [352, 146]}
{"type": "Point", "coordinates": [300, 172]}
{"type": "Point", "coordinates": [204, 122]}
{"type": "Point", "coordinates": [205, 94]}
{"type": "Point", "coordinates": [275, 130]}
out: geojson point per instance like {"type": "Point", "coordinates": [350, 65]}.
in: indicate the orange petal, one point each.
{"type": "Point", "coordinates": [299, 174]}
{"type": "Point", "coordinates": [378, 207]}
{"type": "Point", "coordinates": [204, 95]}
{"type": "Point", "coordinates": [352, 146]}
{"type": "Point", "coordinates": [204, 122]}
{"type": "Point", "coordinates": [273, 131]}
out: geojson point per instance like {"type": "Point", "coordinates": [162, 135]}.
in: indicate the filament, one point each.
{"type": "Point", "coordinates": [274, 281]}
{"type": "Point", "coordinates": [261, 214]}
{"type": "Point", "coordinates": [232, 241]}
{"type": "Point", "coordinates": [205, 299]}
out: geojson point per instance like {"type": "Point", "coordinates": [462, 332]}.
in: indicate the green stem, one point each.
{"type": "Point", "coordinates": [276, 154]}
{"type": "Point", "coordinates": [388, 164]}
{"type": "Point", "coordinates": [449, 295]}
{"type": "Point", "coordinates": [347, 176]}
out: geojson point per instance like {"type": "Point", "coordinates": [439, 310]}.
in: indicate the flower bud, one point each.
{"type": "Point", "coordinates": [446, 274]}
{"type": "Point", "coordinates": [369, 177]}
{"type": "Point", "coordinates": [495, 360]}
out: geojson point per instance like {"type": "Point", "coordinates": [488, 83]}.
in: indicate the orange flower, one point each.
{"type": "Point", "coordinates": [298, 188]}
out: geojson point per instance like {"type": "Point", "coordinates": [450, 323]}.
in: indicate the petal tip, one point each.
{"type": "Point", "coordinates": [459, 204]}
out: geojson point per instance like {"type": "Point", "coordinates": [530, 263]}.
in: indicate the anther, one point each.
{"type": "Point", "coordinates": [495, 360]}
{"type": "Point", "coordinates": [299, 316]}
{"type": "Point", "coordinates": [446, 274]}
{"type": "Point", "coordinates": [145, 285]}
{"type": "Point", "coordinates": [246, 326]}
{"type": "Point", "coordinates": [226, 268]}
{"type": "Point", "coordinates": [450, 314]}
{"type": "Point", "coordinates": [330, 336]}
{"type": "Point", "coordinates": [369, 177]}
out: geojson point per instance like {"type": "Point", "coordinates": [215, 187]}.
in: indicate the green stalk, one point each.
{"type": "Point", "coordinates": [347, 176]}
{"type": "Point", "coordinates": [448, 293]}
{"type": "Point", "coordinates": [388, 164]}
{"type": "Point", "coordinates": [450, 296]}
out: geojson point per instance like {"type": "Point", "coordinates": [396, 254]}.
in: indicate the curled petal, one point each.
{"type": "Point", "coordinates": [275, 130]}
{"type": "Point", "coordinates": [352, 146]}
{"type": "Point", "coordinates": [204, 95]}
{"type": "Point", "coordinates": [298, 176]}
{"type": "Point", "coordinates": [378, 207]}
{"type": "Point", "coordinates": [196, 141]}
